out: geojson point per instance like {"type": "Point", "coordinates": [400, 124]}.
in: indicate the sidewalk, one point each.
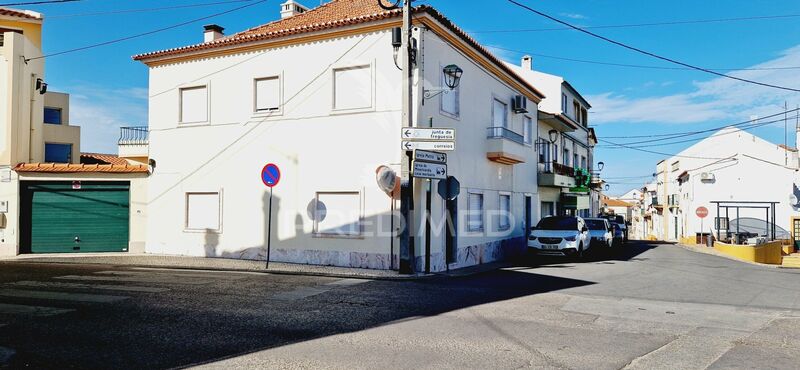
{"type": "Point", "coordinates": [227, 264]}
{"type": "Point", "coordinates": [708, 250]}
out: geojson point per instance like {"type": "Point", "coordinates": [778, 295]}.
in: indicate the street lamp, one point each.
{"type": "Point", "coordinates": [553, 135]}
{"type": "Point", "coordinates": [452, 78]}
{"type": "Point", "coordinates": [600, 165]}
{"type": "Point", "coordinates": [608, 187]}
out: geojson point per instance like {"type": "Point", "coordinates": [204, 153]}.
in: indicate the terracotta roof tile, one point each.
{"type": "Point", "coordinates": [99, 158]}
{"type": "Point", "coordinates": [79, 168]}
{"type": "Point", "coordinates": [331, 15]}
{"type": "Point", "coordinates": [610, 202]}
{"type": "Point", "coordinates": [20, 13]}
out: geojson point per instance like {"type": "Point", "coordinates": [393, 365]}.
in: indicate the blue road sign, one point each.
{"type": "Point", "coordinates": [271, 175]}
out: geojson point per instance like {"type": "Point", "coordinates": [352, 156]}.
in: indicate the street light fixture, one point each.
{"type": "Point", "coordinates": [452, 78]}
{"type": "Point", "coordinates": [600, 165]}
{"type": "Point", "coordinates": [553, 135]}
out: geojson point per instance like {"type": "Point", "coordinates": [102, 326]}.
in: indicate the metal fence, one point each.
{"type": "Point", "coordinates": [134, 136]}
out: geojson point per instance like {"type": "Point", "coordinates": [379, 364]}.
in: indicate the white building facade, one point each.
{"type": "Point", "coordinates": [318, 94]}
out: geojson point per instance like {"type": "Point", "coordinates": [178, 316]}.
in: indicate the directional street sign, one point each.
{"type": "Point", "coordinates": [429, 145]}
{"type": "Point", "coordinates": [428, 170]}
{"type": "Point", "coordinates": [428, 156]}
{"type": "Point", "coordinates": [409, 133]}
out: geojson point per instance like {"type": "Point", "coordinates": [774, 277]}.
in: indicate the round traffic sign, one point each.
{"type": "Point", "coordinates": [270, 175]}
{"type": "Point", "coordinates": [701, 212]}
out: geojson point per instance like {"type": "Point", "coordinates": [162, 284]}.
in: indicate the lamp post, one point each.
{"type": "Point", "coordinates": [452, 78]}
{"type": "Point", "coordinates": [600, 166]}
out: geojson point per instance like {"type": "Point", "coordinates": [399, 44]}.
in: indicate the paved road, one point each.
{"type": "Point", "coordinates": [653, 306]}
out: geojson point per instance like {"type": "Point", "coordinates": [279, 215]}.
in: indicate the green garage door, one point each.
{"type": "Point", "coordinates": [67, 217]}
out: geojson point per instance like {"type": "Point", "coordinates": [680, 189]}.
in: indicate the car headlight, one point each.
{"type": "Point", "coordinates": [531, 237]}
{"type": "Point", "coordinates": [571, 238]}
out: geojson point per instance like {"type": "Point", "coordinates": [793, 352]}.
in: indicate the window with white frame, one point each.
{"type": "Point", "coordinates": [566, 157]}
{"type": "Point", "coordinates": [450, 100]}
{"type": "Point", "coordinates": [352, 88]}
{"type": "Point", "coordinates": [268, 94]}
{"type": "Point", "coordinates": [194, 104]}
{"type": "Point", "coordinates": [338, 214]}
{"type": "Point", "coordinates": [499, 113]}
{"type": "Point", "coordinates": [564, 103]}
{"type": "Point", "coordinates": [203, 211]}
{"type": "Point", "coordinates": [527, 130]}
{"type": "Point", "coordinates": [544, 151]}
{"type": "Point", "coordinates": [475, 213]}
{"type": "Point", "coordinates": [505, 210]}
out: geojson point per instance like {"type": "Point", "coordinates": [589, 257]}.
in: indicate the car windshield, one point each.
{"type": "Point", "coordinates": [620, 219]}
{"type": "Point", "coordinates": [596, 224]}
{"type": "Point", "coordinates": [558, 223]}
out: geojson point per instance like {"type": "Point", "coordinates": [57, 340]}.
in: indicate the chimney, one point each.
{"type": "Point", "coordinates": [527, 62]}
{"type": "Point", "coordinates": [291, 8]}
{"type": "Point", "coordinates": [212, 32]}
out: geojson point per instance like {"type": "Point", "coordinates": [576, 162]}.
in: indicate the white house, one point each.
{"type": "Point", "coordinates": [565, 143]}
{"type": "Point", "coordinates": [318, 93]}
{"type": "Point", "coordinates": [730, 166]}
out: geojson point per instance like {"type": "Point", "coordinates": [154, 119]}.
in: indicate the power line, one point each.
{"type": "Point", "coordinates": [633, 25]}
{"type": "Point", "coordinates": [144, 10]}
{"type": "Point", "coordinates": [615, 64]}
{"type": "Point", "coordinates": [676, 135]}
{"type": "Point", "coordinates": [641, 51]}
{"type": "Point", "coordinates": [41, 2]}
{"type": "Point", "coordinates": [148, 32]}
{"type": "Point", "coordinates": [655, 152]}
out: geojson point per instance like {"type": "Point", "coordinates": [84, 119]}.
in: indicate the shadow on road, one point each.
{"type": "Point", "coordinates": [630, 251]}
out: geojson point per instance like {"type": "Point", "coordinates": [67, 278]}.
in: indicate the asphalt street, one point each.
{"type": "Point", "coordinates": [648, 306]}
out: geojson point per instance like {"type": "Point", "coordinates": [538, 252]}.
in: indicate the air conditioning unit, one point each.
{"type": "Point", "coordinates": [707, 177]}
{"type": "Point", "coordinates": [519, 104]}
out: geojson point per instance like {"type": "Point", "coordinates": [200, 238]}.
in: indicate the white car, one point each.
{"type": "Point", "coordinates": [600, 232]}
{"type": "Point", "coordinates": [559, 236]}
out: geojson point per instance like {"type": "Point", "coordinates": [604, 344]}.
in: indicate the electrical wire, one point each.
{"type": "Point", "coordinates": [148, 32]}
{"type": "Point", "coordinates": [144, 10]}
{"type": "Point", "coordinates": [633, 25]}
{"type": "Point", "coordinates": [656, 152]}
{"type": "Point", "coordinates": [641, 66]}
{"type": "Point", "coordinates": [41, 2]}
{"type": "Point", "coordinates": [653, 55]}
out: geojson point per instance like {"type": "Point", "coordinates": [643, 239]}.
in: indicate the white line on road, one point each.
{"type": "Point", "coordinates": [137, 279]}
{"type": "Point", "coordinates": [53, 284]}
{"type": "Point", "coordinates": [61, 296]}
{"type": "Point", "coordinates": [18, 309]}
{"type": "Point", "coordinates": [172, 274]}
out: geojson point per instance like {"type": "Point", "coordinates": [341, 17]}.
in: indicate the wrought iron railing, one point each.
{"type": "Point", "coordinates": [134, 136]}
{"type": "Point", "coordinates": [504, 133]}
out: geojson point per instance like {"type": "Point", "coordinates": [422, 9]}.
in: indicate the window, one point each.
{"type": "Point", "coordinates": [52, 116]}
{"type": "Point", "coordinates": [584, 117]}
{"type": "Point", "coordinates": [203, 211]}
{"type": "Point", "coordinates": [57, 153]}
{"type": "Point", "coordinates": [505, 210]}
{"type": "Point", "coordinates": [352, 88]}
{"type": "Point", "coordinates": [676, 166]}
{"type": "Point", "coordinates": [548, 209]}
{"type": "Point", "coordinates": [268, 94]}
{"type": "Point", "coordinates": [338, 214]}
{"type": "Point", "coordinates": [564, 103]}
{"type": "Point", "coordinates": [583, 162]}
{"type": "Point", "coordinates": [555, 153]}
{"type": "Point", "coordinates": [475, 215]}
{"type": "Point", "coordinates": [499, 114]}
{"type": "Point", "coordinates": [575, 159]}
{"type": "Point", "coordinates": [527, 130]}
{"type": "Point", "coordinates": [451, 100]}
{"type": "Point", "coordinates": [576, 110]}
{"type": "Point", "coordinates": [566, 157]}
{"type": "Point", "coordinates": [544, 151]}
{"type": "Point", "coordinates": [194, 104]}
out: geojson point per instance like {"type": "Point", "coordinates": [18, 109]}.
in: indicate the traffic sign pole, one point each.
{"type": "Point", "coordinates": [269, 226]}
{"type": "Point", "coordinates": [270, 176]}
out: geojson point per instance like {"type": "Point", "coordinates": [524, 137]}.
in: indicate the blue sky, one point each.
{"type": "Point", "coordinates": [109, 90]}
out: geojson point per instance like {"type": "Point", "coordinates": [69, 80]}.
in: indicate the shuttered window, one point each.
{"type": "Point", "coordinates": [499, 113]}
{"type": "Point", "coordinates": [194, 104]}
{"type": "Point", "coordinates": [202, 211]}
{"type": "Point", "coordinates": [505, 209]}
{"type": "Point", "coordinates": [268, 94]}
{"type": "Point", "coordinates": [475, 219]}
{"type": "Point", "coordinates": [352, 88]}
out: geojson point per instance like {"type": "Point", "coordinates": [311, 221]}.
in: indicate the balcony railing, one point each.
{"type": "Point", "coordinates": [560, 169]}
{"type": "Point", "coordinates": [504, 133]}
{"type": "Point", "coordinates": [134, 136]}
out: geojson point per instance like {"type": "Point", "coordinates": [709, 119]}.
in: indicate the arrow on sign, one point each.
{"type": "Point", "coordinates": [407, 133]}
{"type": "Point", "coordinates": [408, 145]}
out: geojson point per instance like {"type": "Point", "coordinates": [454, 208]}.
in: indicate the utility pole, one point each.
{"type": "Point", "coordinates": [407, 246]}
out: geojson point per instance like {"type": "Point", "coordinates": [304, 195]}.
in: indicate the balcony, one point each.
{"type": "Point", "coordinates": [556, 175]}
{"type": "Point", "coordinates": [134, 143]}
{"type": "Point", "coordinates": [505, 146]}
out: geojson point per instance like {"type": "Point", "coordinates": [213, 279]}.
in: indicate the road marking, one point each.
{"type": "Point", "coordinates": [55, 284]}
{"type": "Point", "coordinates": [18, 309]}
{"type": "Point", "coordinates": [137, 279]}
{"type": "Point", "coordinates": [169, 273]}
{"type": "Point", "coordinates": [61, 296]}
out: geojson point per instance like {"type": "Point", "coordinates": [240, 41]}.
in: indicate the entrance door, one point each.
{"type": "Point", "coordinates": [67, 217]}
{"type": "Point", "coordinates": [796, 232]}
{"type": "Point", "coordinates": [528, 215]}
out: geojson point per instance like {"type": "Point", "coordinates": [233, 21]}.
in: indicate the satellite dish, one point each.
{"type": "Point", "coordinates": [387, 179]}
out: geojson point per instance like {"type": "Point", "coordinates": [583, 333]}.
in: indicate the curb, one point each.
{"type": "Point", "coordinates": [712, 252]}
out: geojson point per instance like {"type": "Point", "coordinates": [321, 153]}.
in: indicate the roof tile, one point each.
{"type": "Point", "coordinates": [79, 168]}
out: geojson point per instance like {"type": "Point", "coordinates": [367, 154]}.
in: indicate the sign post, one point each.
{"type": "Point", "coordinates": [270, 176]}
{"type": "Point", "coordinates": [702, 212]}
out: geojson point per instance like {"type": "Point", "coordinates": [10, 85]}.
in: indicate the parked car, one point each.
{"type": "Point", "coordinates": [618, 236]}
{"type": "Point", "coordinates": [559, 236]}
{"type": "Point", "coordinates": [600, 232]}
{"type": "Point", "coordinates": [619, 220]}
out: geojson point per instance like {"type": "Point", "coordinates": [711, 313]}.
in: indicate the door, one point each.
{"type": "Point", "coordinates": [74, 217]}
{"type": "Point", "coordinates": [528, 215]}
{"type": "Point", "coordinates": [796, 232]}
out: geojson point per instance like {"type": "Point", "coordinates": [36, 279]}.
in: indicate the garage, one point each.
{"type": "Point", "coordinates": [74, 216]}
